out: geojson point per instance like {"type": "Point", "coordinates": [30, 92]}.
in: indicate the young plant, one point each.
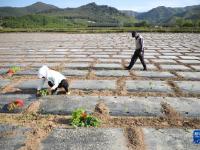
{"type": "Point", "coordinates": [44, 92]}
{"type": "Point", "coordinates": [13, 70]}
{"type": "Point", "coordinates": [18, 103]}
{"type": "Point", "coordinates": [81, 119]}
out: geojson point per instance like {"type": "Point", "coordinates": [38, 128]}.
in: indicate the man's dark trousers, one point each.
{"type": "Point", "coordinates": [139, 53]}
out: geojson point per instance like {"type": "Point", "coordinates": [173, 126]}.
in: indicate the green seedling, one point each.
{"type": "Point", "coordinates": [43, 92]}
{"type": "Point", "coordinates": [12, 70]}
{"type": "Point", "coordinates": [18, 103]}
{"type": "Point", "coordinates": [81, 119]}
{"type": "Point", "coordinates": [15, 68]}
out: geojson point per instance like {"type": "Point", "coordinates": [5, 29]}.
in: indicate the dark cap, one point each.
{"type": "Point", "coordinates": [134, 33]}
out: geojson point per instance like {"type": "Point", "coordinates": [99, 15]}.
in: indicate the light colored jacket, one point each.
{"type": "Point", "coordinates": [139, 42]}
{"type": "Point", "coordinates": [51, 75]}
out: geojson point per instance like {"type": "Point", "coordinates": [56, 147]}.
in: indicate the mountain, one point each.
{"type": "Point", "coordinates": [86, 10]}
{"type": "Point", "coordinates": [191, 12]}
{"type": "Point", "coordinates": [40, 14]}
{"type": "Point", "coordinates": [12, 11]}
{"type": "Point", "coordinates": [103, 14]}
{"type": "Point", "coordinates": [130, 13]}
{"type": "Point", "coordinates": [167, 15]}
{"type": "Point", "coordinates": [40, 7]}
{"type": "Point", "coordinates": [91, 11]}
{"type": "Point", "coordinates": [159, 14]}
{"type": "Point", "coordinates": [21, 11]}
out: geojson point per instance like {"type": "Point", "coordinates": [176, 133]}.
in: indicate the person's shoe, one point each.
{"type": "Point", "coordinates": [127, 68]}
{"type": "Point", "coordinates": [145, 69]}
{"type": "Point", "coordinates": [68, 93]}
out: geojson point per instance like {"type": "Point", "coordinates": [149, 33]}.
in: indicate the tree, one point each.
{"type": "Point", "coordinates": [128, 24]}
{"type": "Point", "coordinates": [44, 21]}
{"type": "Point", "coordinates": [142, 24]}
{"type": "Point", "coordinates": [179, 22]}
{"type": "Point", "coordinates": [188, 23]}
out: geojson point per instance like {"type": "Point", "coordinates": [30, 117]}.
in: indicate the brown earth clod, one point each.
{"type": "Point", "coordinates": [34, 138]}
{"type": "Point", "coordinates": [173, 117]}
{"type": "Point", "coordinates": [135, 138]}
{"type": "Point", "coordinates": [32, 108]}
{"type": "Point", "coordinates": [102, 112]}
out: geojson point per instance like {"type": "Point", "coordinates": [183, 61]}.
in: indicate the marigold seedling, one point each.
{"type": "Point", "coordinates": [15, 104]}
{"type": "Point", "coordinates": [13, 70]}
{"type": "Point", "coordinates": [81, 119]}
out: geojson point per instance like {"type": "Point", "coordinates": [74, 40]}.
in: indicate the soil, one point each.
{"type": "Point", "coordinates": [32, 108]}
{"type": "Point", "coordinates": [34, 137]}
{"type": "Point", "coordinates": [121, 90]}
{"type": "Point", "coordinates": [135, 138]}
{"type": "Point", "coordinates": [42, 125]}
{"type": "Point", "coordinates": [8, 134]}
{"type": "Point", "coordinates": [173, 117]}
{"type": "Point", "coordinates": [102, 112]}
{"type": "Point", "coordinates": [33, 119]}
{"type": "Point", "coordinates": [101, 108]}
{"type": "Point", "coordinates": [154, 122]}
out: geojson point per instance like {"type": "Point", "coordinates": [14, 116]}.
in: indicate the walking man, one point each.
{"type": "Point", "coordinates": [139, 51]}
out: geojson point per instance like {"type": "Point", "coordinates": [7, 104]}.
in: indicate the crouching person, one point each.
{"type": "Point", "coordinates": [55, 80]}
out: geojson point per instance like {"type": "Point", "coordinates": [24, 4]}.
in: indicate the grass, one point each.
{"type": "Point", "coordinates": [102, 29]}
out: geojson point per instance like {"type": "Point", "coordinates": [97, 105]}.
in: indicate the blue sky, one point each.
{"type": "Point", "coordinates": [136, 5]}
